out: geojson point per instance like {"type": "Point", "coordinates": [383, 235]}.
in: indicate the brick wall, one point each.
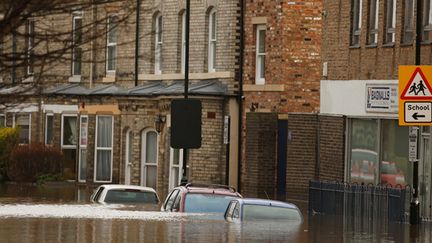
{"type": "Point", "coordinates": [331, 148]}
{"type": "Point", "coordinates": [259, 173]}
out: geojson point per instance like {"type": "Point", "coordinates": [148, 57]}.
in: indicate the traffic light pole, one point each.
{"type": "Point", "coordinates": [184, 178]}
{"type": "Point", "coordinates": [415, 204]}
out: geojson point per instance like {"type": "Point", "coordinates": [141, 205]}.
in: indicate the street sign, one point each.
{"type": "Point", "coordinates": [415, 96]}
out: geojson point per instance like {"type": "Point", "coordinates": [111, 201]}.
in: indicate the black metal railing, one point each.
{"type": "Point", "coordinates": [354, 200]}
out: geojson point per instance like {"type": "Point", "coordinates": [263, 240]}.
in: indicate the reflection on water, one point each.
{"type": "Point", "coordinates": [64, 214]}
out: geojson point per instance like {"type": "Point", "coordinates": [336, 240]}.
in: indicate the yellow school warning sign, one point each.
{"type": "Point", "coordinates": [415, 95]}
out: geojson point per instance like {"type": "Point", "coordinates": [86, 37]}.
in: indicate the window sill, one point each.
{"type": "Point", "coordinates": [389, 45]}
{"type": "Point", "coordinates": [110, 78]}
{"type": "Point", "coordinates": [426, 42]}
{"type": "Point", "coordinates": [372, 46]}
{"type": "Point", "coordinates": [264, 87]}
{"type": "Point", "coordinates": [193, 76]}
{"type": "Point", "coordinates": [29, 79]}
{"type": "Point", "coordinates": [75, 79]}
{"type": "Point", "coordinates": [410, 44]}
{"type": "Point", "coordinates": [355, 47]}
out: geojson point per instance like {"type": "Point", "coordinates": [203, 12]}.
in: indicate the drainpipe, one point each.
{"type": "Point", "coordinates": [138, 4]}
{"type": "Point", "coordinates": [240, 94]}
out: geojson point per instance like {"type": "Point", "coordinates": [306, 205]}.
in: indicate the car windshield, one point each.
{"type": "Point", "coordinates": [265, 212]}
{"type": "Point", "coordinates": [130, 196]}
{"type": "Point", "coordinates": [206, 203]}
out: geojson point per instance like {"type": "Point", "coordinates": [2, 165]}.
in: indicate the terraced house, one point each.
{"type": "Point", "coordinates": [106, 101]}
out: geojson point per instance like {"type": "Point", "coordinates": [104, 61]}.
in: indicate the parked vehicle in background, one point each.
{"type": "Point", "coordinates": [391, 175]}
{"type": "Point", "coordinates": [251, 209]}
{"type": "Point", "coordinates": [124, 194]}
{"type": "Point", "coordinates": [200, 198]}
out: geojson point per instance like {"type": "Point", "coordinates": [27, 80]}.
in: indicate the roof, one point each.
{"type": "Point", "coordinates": [266, 202]}
{"type": "Point", "coordinates": [119, 186]}
{"type": "Point", "coordinates": [154, 88]}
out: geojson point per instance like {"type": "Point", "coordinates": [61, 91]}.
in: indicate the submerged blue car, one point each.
{"type": "Point", "coordinates": [251, 209]}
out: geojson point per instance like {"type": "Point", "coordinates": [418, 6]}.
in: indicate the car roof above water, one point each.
{"type": "Point", "coordinates": [266, 202]}
{"type": "Point", "coordinates": [132, 187]}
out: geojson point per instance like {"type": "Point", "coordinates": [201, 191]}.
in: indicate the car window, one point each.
{"type": "Point", "coordinates": [170, 201]}
{"type": "Point", "coordinates": [230, 209]}
{"type": "Point", "coordinates": [265, 212]}
{"type": "Point", "coordinates": [130, 196]}
{"type": "Point", "coordinates": [176, 205]}
{"type": "Point", "coordinates": [206, 203]}
{"type": "Point", "coordinates": [98, 193]}
{"type": "Point", "coordinates": [236, 211]}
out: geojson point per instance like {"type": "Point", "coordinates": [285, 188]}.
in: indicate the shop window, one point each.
{"type": "Point", "coordinates": [356, 19]}
{"type": "Point", "coordinates": [373, 22]}
{"type": "Point", "coordinates": [378, 151]}
{"type": "Point", "coordinates": [149, 158]}
{"type": "Point", "coordinates": [23, 121]}
{"type": "Point", "coordinates": [104, 148]}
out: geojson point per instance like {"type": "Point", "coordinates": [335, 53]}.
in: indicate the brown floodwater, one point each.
{"type": "Point", "coordinates": [62, 213]}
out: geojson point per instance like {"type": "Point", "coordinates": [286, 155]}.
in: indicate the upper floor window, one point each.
{"type": "Point", "coordinates": [211, 41]}
{"type": "Point", "coordinates": [373, 22]}
{"type": "Point", "coordinates": [183, 41]}
{"type": "Point", "coordinates": [158, 44]}
{"type": "Point", "coordinates": [408, 27]}
{"type": "Point", "coordinates": [77, 41]}
{"type": "Point", "coordinates": [390, 21]}
{"type": "Point", "coordinates": [427, 20]}
{"type": "Point", "coordinates": [112, 43]}
{"type": "Point", "coordinates": [260, 54]}
{"type": "Point", "coordinates": [30, 42]}
{"type": "Point", "coordinates": [356, 9]}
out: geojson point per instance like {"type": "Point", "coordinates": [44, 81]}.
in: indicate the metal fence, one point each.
{"type": "Point", "coordinates": [359, 201]}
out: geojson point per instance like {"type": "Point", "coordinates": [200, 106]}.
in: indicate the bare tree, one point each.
{"type": "Point", "coordinates": [28, 48]}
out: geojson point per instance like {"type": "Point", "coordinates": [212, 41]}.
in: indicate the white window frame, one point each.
{"type": "Point", "coordinates": [63, 146]}
{"type": "Point", "coordinates": [390, 23]}
{"type": "Point", "coordinates": [183, 42]}
{"type": "Point", "coordinates": [15, 124]}
{"type": "Point", "coordinates": [82, 146]}
{"type": "Point", "coordinates": [158, 44]}
{"type": "Point", "coordinates": [76, 16]}
{"type": "Point", "coordinates": [51, 115]}
{"type": "Point", "coordinates": [111, 44]}
{"type": "Point", "coordinates": [128, 156]}
{"type": "Point", "coordinates": [212, 36]}
{"type": "Point", "coordinates": [259, 56]}
{"type": "Point", "coordinates": [373, 27]}
{"type": "Point", "coordinates": [30, 48]}
{"type": "Point", "coordinates": [172, 183]}
{"type": "Point", "coordinates": [144, 162]}
{"type": "Point", "coordinates": [103, 148]}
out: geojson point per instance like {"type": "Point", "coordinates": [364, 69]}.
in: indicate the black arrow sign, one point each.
{"type": "Point", "coordinates": [416, 116]}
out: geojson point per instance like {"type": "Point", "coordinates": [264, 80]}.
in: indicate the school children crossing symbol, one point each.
{"type": "Point", "coordinates": [415, 100]}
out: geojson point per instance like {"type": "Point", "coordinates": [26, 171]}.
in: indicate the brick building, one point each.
{"type": "Point", "coordinates": [364, 43]}
{"type": "Point", "coordinates": [282, 63]}
{"type": "Point", "coordinates": [107, 104]}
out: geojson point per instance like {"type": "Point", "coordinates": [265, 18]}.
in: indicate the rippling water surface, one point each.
{"type": "Point", "coordinates": [64, 214]}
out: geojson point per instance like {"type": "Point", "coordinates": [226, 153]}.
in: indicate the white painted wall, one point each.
{"type": "Point", "coordinates": [348, 97]}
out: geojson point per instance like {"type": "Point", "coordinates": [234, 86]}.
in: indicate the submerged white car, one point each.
{"type": "Point", "coordinates": [124, 194]}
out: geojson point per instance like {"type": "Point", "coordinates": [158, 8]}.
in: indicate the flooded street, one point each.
{"type": "Point", "coordinates": [59, 214]}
